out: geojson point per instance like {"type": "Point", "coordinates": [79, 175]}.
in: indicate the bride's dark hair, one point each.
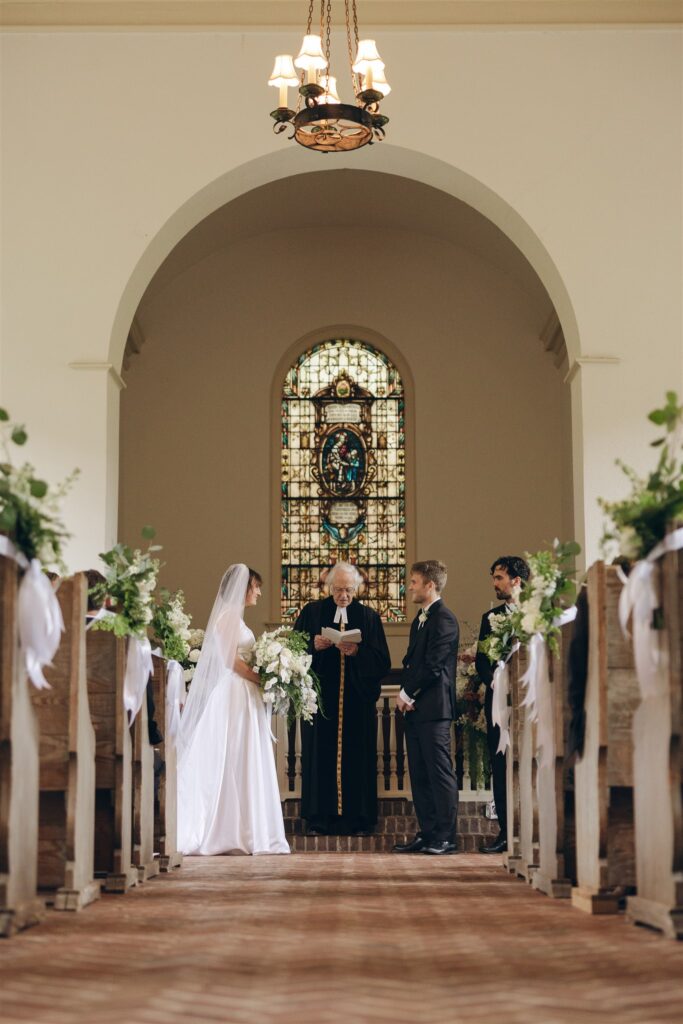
{"type": "Point", "coordinates": [254, 577]}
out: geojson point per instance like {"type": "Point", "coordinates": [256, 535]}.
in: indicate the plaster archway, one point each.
{"type": "Point", "coordinates": [383, 158]}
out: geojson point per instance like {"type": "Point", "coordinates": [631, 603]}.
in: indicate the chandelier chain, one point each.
{"type": "Point", "coordinates": [327, 38]}
{"type": "Point", "coordinates": [354, 79]}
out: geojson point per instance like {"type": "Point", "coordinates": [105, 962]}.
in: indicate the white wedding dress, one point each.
{"type": "Point", "coordinates": [228, 795]}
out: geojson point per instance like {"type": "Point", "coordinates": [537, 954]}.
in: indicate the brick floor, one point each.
{"type": "Point", "coordinates": [325, 939]}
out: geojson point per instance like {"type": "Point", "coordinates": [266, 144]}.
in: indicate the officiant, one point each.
{"type": "Point", "coordinates": [339, 748]}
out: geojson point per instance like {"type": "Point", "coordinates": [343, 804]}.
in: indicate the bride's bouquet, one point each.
{"type": "Point", "coordinates": [281, 660]}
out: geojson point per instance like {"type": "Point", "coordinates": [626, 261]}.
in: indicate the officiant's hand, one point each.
{"type": "Point", "coordinates": [348, 648]}
{"type": "Point", "coordinates": [321, 643]}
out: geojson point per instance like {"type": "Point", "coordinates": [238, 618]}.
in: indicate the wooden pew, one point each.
{"type": "Point", "coordinates": [603, 777]}
{"type": "Point", "coordinates": [20, 905]}
{"type": "Point", "coordinates": [513, 858]}
{"type": "Point", "coordinates": [556, 838]}
{"type": "Point", "coordinates": [166, 805]}
{"type": "Point", "coordinates": [106, 667]}
{"type": "Point", "coordinates": [143, 797]}
{"type": "Point", "coordinates": [67, 764]}
{"type": "Point", "coordinates": [658, 773]}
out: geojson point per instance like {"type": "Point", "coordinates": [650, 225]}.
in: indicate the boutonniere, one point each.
{"type": "Point", "coordinates": [422, 617]}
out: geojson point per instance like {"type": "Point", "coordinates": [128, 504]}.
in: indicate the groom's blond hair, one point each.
{"type": "Point", "coordinates": [432, 571]}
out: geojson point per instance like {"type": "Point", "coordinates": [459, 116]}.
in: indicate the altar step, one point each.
{"type": "Point", "coordinates": [396, 823]}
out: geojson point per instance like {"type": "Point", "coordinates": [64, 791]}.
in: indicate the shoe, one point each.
{"type": "Point", "coordinates": [416, 845]}
{"type": "Point", "coordinates": [499, 845]}
{"type": "Point", "coordinates": [314, 831]}
{"type": "Point", "coordinates": [437, 849]}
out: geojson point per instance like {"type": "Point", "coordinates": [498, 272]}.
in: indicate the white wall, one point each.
{"type": "Point", "coordinates": [116, 143]}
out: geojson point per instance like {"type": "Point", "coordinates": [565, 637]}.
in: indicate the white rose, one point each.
{"type": "Point", "coordinates": [188, 673]}
{"type": "Point", "coordinates": [194, 656]}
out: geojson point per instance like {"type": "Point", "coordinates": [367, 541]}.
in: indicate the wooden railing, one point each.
{"type": "Point", "coordinates": [393, 779]}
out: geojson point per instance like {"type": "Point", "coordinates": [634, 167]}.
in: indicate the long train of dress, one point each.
{"type": "Point", "coordinates": [228, 794]}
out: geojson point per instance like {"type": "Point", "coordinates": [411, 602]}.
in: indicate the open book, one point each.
{"type": "Point", "coordinates": [350, 636]}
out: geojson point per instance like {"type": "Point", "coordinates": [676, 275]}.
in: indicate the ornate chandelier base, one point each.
{"type": "Point", "coordinates": [330, 127]}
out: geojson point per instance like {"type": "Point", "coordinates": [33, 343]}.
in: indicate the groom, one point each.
{"type": "Point", "coordinates": [427, 700]}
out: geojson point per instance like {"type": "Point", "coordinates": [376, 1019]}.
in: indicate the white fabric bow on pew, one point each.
{"type": "Point", "coordinates": [500, 712]}
{"type": "Point", "coordinates": [536, 679]}
{"type": "Point", "coordinates": [139, 668]}
{"type": "Point", "coordinates": [39, 616]}
{"type": "Point", "coordinates": [175, 692]}
{"type": "Point", "coordinates": [638, 600]}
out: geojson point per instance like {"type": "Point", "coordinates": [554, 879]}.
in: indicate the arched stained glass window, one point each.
{"type": "Point", "coordinates": [343, 474]}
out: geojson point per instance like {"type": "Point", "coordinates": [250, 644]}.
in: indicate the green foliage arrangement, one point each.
{"type": "Point", "coordinates": [537, 606]}
{"type": "Point", "coordinates": [128, 587]}
{"type": "Point", "coordinates": [639, 522]}
{"type": "Point", "coordinates": [171, 626]}
{"type": "Point", "coordinates": [30, 509]}
{"type": "Point", "coordinates": [470, 718]}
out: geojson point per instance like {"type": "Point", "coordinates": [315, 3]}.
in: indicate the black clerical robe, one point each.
{"type": "Point", "coordinates": [339, 749]}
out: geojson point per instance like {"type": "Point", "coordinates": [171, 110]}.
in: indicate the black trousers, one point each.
{"type": "Point", "coordinates": [498, 772]}
{"type": "Point", "coordinates": [432, 777]}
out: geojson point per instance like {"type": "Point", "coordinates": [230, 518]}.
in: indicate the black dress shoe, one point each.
{"type": "Point", "coordinates": [436, 849]}
{"type": "Point", "coordinates": [499, 845]}
{"type": "Point", "coordinates": [416, 845]}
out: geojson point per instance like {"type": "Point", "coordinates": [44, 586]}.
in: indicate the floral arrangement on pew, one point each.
{"type": "Point", "coordinates": [639, 526]}
{"type": "Point", "coordinates": [128, 587]}
{"type": "Point", "coordinates": [171, 625]}
{"type": "Point", "coordinates": [637, 523]}
{"type": "Point", "coordinates": [33, 534]}
{"type": "Point", "coordinates": [195, 642]}
{"type": "Point", "coordinates": [128, 591]}
{"type": "Point", "coordinates": [30, 509]}
{"type": "Point", "coordinates": [470, 718]}
{"type": "Point", "coordinates": [549, 592]}
{"type": "Point", "coordinates": [281, 660]}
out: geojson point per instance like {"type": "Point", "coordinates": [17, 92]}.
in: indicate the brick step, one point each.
{"type": "Point", "coordinates": [367, 844]}
{"type": "Point", "coordinates": [386, 806]}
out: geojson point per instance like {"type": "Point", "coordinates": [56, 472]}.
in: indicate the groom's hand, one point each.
{"type": "Point", "coordinates": [403, 705]}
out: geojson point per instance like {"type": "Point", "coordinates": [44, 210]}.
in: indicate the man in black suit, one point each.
{"type": "Point", "coordinates": [508, 574]}
{"type": "Point", "coordinates": [427, 699]}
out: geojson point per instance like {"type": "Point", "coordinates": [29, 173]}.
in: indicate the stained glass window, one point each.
{"type": "Point", "coordinates": [343, 475]}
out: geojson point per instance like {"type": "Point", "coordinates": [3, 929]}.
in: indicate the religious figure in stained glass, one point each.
{"type": "Point", "coordinates": [343, 475]}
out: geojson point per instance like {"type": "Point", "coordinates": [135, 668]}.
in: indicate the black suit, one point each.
{"type": "Point", "coordinates": [498, 768]}
{"type": "Point", "coordinates": [429, 679]}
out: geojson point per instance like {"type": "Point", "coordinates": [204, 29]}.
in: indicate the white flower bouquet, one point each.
{"type": "Point", "coordinates": [282, 662]}
{"type": "Point", "coordinates": [195, 641]}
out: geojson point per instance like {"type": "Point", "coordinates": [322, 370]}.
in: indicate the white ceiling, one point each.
{"type": "Point", "coordinates": [269, 14]}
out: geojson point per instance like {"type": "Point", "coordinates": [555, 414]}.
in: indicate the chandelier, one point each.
{"type": "Point", "coordinates": [321, 121]}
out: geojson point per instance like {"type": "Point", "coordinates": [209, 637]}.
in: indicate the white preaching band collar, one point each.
{"type": "Point", "coordinates": [341, 616]}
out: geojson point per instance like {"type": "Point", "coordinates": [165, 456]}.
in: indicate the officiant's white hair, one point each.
{"type": "Point", "coordinates": [343, 567]}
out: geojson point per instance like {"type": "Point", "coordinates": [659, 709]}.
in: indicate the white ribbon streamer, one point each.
{"type": "Point", "coordinates": [500, 712]}
{"type": "Point", "coordinates": [139, 667]}
{"type": "Point", "coordinates": [175, 694]}
{"type": "Point", "coordinates": [638, 601]}
{"type": "Point", "coordinates": [40, 623]}
{"type": "Point", "coordinates": [536, 679]}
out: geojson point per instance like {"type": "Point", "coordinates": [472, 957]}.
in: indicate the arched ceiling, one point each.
{"type": "Point", "coordinates": [365, 201]}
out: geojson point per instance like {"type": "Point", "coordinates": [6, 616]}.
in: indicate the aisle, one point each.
{"type": "Point", "coordinates": [329, 938]}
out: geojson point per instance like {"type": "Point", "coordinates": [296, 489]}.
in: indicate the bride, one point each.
{"type": "Point", "coordinates": [228, 796]}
